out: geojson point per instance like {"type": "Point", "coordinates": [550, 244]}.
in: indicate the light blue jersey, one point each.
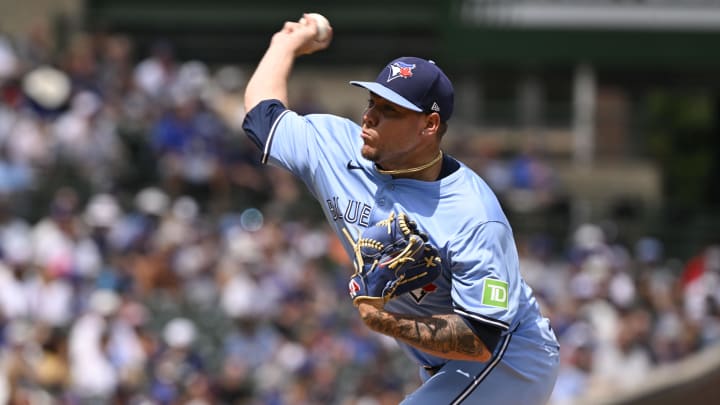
{"type": "Point", "coordinates": [462, 217]}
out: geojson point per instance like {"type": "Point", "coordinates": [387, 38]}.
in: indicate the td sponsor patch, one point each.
{"type": "Point", "coordinates": [495, 293]}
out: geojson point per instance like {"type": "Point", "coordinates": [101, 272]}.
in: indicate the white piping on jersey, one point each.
{"type": "Point", "coordinates": [266, 151]}
{"type": "Point", "coordinates": [480, 377]}
{"type": "Point", "coordinates": [480, 318]}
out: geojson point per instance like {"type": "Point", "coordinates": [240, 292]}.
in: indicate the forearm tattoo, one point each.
{"type": "Point", "coordinates": [446, 335]}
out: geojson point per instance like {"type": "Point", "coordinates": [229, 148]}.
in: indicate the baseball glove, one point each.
{"type": "Point", "coordinates": [391, 258]}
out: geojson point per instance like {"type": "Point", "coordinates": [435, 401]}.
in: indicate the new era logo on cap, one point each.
{"type": "Point", "coordinates": [416, 84]}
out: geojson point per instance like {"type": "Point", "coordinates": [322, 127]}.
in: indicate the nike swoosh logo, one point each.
{"type": "Point", "coordinates": [351, 166]}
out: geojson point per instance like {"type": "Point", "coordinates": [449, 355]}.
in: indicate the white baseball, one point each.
{"type": "Point", "coordinates": [323, 25]}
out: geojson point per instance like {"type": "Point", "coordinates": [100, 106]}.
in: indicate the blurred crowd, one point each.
{"type": "Point", "coordinates": [147, 258]}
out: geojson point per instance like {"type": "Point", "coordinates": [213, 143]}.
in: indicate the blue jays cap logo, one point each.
{"type": "Point", "coordinates": [400, 69]}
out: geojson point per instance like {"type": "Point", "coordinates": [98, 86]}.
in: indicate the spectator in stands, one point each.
{"type": "Point", "coordinates": [92, 374]}
{"type": "Point", "coordinates": [189, 142]}
{"type": "Point", "coordinates": [577, 356]}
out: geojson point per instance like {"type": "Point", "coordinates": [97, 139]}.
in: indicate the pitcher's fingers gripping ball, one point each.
{"type": "Point", "coordinates": [391, 259]}
{"type": "Point", "coordinates": [322, 23]}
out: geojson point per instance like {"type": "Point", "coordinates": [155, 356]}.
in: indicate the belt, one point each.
{"type": "Point", "coordinates": [432, 370]}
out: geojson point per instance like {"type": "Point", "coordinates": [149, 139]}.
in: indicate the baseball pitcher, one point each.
{"type": "Point", "coordinates": [435, 262]}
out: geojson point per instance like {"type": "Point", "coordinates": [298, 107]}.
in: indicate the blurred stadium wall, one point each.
{"type": "Point", "coordinates": [690, 381]}
{"type": "Point", "coordinates": [15, 18]}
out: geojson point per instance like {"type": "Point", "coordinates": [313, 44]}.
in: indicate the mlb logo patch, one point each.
{"type": "Point", "coordinates": [400, 69]}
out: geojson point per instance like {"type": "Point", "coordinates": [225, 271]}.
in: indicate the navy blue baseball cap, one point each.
{"type": "Point", "coordinates": [416, 84]}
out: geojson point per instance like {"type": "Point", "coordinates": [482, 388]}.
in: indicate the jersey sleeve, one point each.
{"type": "Point", "coordinates": [485, 278]}
{"type": "Point", "coordinates": [300, 143]}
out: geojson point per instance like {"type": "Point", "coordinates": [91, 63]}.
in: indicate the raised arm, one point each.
{"type": "Point", "coordinates": [444, 336]}
{"type": "Point", "coordinates": [269, 81]}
